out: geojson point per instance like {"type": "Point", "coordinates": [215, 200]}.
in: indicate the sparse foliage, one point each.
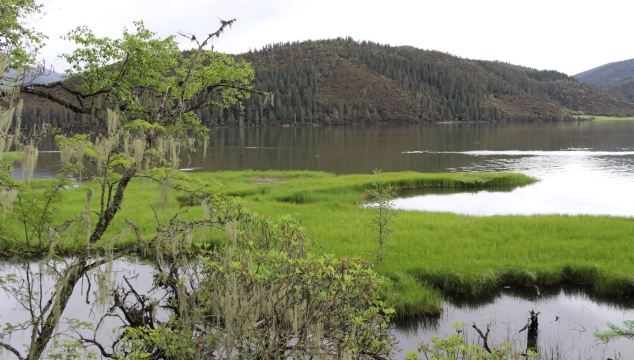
{"type": "Point", "coordinates": [456, 347]}
{"type": "Point", "coordinates": [383, 213]}
{"type": "Point", "coordinates": [262, 295]}
{"type": "Point", "coordinates": [627, 330]}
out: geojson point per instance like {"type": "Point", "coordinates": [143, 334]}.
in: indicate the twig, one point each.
{"type": "Point", "coordinates": [12, 349]}
{"type": "Point", "coordinates": [484, 337]}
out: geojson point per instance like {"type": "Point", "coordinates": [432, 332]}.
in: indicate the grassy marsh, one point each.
{"type": "Point", "coordinates": [430, 253]}
{"type": "Point", "coordinates": [605, 118]}
{"type": "Point", "coordinates": [12, 155]}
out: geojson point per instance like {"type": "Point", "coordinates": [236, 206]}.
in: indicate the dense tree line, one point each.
{"type": "Point", "coordinates": [343, 81]}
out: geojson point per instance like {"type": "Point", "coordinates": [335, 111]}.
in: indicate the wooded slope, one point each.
{"type": "Point", "coordinates": [341, 81]}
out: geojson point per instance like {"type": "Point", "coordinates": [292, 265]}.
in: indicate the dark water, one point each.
{"type": "Point", "coordinates": [583, 167]}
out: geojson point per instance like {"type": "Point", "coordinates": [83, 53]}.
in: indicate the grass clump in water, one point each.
{"type": "Point", "coordinates": [11, 156]}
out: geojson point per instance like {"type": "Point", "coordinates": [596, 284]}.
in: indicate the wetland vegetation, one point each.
{"type": "Point", "coordinates": [606, 118]}
{"type": "Point", "coordinates": [11, 156]}
{"type": "Point", "coordinates": [430, 253]}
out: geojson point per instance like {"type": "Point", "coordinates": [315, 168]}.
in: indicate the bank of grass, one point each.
{"type": "Point", "coordinates": [11, 155]}
{"type": "Point", "coordinates": [457, 254]}
{"type": "Point", "coordinates": [429, 253]}
{"type": "Point", "coordinates": [605, 118]}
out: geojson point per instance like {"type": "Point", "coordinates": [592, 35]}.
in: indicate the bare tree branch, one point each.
{"type": "Point", "coordinates": [11, 349]}
{"type": "Point", "coordinates": [485, 337]}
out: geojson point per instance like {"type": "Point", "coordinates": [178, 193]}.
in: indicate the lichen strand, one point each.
{"type": "Point", "coordinates": [29, 160]}
{"type": "Point", "coordinates": [6, 140]}
{"type": "Point", "coordinates": [7, 197]}
{"type": "Point", "coordinates": [86, 215]}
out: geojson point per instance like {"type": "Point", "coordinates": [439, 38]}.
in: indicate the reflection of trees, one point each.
{"type": "Point", "coordinates": [414, 325]}
{"type": "Point", "coordinates": [491, 303]}
{"type": "Point", "coordinates": [410, 193]}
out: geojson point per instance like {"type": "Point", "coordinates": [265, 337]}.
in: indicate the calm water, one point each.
{"type": "Point", "coordinates": [583, 167]}
{"type": "Point", "coordinates": [569, 317]}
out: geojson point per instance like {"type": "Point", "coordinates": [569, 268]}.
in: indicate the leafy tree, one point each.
{"type": "Point", "coordinates": [262, 296]}
{"type": "Point", "coordinates": [19, 42]}
{"type": "Point", "coordinates": [257, 293]}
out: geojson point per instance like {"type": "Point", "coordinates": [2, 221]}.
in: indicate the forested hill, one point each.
{"type": "Point", "coordinates": [608, 73]}
{"type": "Point", "coordinates": [615, 79]}
{"type": "Point", "coordinates": [343, 81]}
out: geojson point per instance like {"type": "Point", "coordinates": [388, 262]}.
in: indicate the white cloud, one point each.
{"type": "Point", "coordinates": [569, 36]}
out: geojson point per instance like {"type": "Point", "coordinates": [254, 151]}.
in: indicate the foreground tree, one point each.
{"type": "Point", "coordinates": [257, 293]}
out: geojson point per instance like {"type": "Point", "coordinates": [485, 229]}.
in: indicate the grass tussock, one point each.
{"type": "Point", "coordinates": [428, 253]}
{"type": "Point", "coordinates": [606, 118]}
{"type": "Point", "coordinates": [11, 156]}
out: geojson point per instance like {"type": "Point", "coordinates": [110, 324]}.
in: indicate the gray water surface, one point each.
{"type": "Point", "coordinates": [569, 317]}
{"type": "Point", "coordinates": [582, 167]}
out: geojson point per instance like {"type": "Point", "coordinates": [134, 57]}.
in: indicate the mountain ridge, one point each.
{"type": "Point", "coordinates": [342, 81]}
{"type": "Point", "coordinates": [613, 72]}
{"type": "Point", "coordinates": [615, 79]}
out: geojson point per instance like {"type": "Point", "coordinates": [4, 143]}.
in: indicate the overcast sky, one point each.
{"type": "Point", "coordinates": [569, 36]}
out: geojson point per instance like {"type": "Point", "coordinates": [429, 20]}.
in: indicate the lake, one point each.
{"type": "Point", "coordinates": [582, 168]}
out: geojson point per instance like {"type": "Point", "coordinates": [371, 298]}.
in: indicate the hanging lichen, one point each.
{"type": "Point", "coordinates": [205, 146]}
{"type": "Point", "coordinates": [7, 197]}
{"type": "Point", "coordinates": [174, 152]}
{"type": "Point", "coordinates": [126, 142]}
{"type": "Point", "coordinates": [112, 117]}
{"type": "Point", "coordinates": [165, 186]}
{"type": "Point", "coordinates": [105, 282]}
{"type": "Point", "coordinates": [5, 124]}
{"type": "Point", "coordinates": [29, 160]}
{"type": "Point", "coordinates": [51, 237]}
{"type": "Point", "coordinates": [86, 215]}
{"type": "Point", "coordinates": [138, 149]}
{"type": "Point", "coordinates": [18, 119]}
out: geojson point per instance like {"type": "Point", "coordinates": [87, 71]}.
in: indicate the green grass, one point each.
{"type": "Point", "coordinates": [430, 253]}
{"type": "Point", "coordinates": [12, 155]}
{"type": "Point", "coordinates": [605, 118]}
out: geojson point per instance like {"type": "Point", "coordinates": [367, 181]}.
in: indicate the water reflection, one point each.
{"type": "Point", "coordinates": [81, 305]}
{"type": "Point", "coordinates": [571, 182]}
{"type": "Point", "coordinates": [413, 193]}
{"type": "Point", "coordinates": [569, 317]}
